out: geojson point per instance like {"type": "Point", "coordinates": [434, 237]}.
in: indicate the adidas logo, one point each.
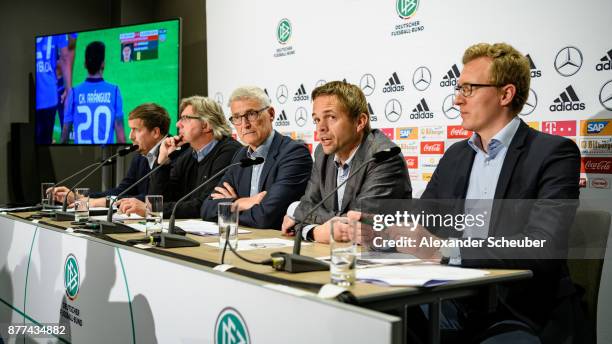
{"type": "Point", "coordinates": [606, 63]}
{"type": "Point", "coordinates": [535, 72]}
{"type": "Point", "coordinates": [421, 111]}
{"type": "Point", "coordinates": [373, 117]}
{"type": "Point", "coordinates": [393, 85]}
{"type": "Point", "coordinates": [450, 79]}
{"type": "Point", "coordinates": [281, 120]}
{"type": "Point", "coordinates": [300, 94]}
{"type": "Point", "coordinates": [567, 101]}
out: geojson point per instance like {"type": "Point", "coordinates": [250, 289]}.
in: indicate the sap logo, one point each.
{"type": "Point", "coordinates": [596, 127]}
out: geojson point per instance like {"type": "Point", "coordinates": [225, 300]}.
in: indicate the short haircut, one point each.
{"type": "Point", "coordinates": [508, 66]}
{"type": "Point", "coordinates": [211, 112]}
{"type": "Point", "coordinates": [250, 92]}
{"type": "Point", "coordinates": [152, 116]}
{"type": "Point", "coordinates": [94, 56]}
{"type": "Point", "coordinates": [350, 97]}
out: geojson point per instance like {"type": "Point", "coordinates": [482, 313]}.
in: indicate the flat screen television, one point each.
{"type": "Point", "coordinates": [110, 71]}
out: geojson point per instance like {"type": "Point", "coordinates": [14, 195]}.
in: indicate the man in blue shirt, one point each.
{"type": "Point", "coordinates": [149, 124]}
{"type": "Point", "coordinates": [504, 161]}
{"type": "Point", "coordinates": [93, 111]}
{"type": "Point", "coordinates": [51, 52]}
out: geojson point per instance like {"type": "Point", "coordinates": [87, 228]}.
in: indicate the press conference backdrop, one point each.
{"type": "Point", "coordinates": [406, 57]}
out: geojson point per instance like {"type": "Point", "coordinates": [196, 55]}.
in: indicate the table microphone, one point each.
{"type": "Point", "coordinates": [172, 238]}
{"type": "Point", "coordinates": [122, 152]}
{"type": "Point", "coordinates": [110, 227]}
{"type": "Point", "coordinates": [297, 263]}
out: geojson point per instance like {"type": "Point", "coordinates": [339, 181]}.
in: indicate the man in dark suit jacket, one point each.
{"type": "Point", "coordinates": [203, 126]}
{"type": "Point", "coordinates": [503, 161]}
{"type": "Point", "coordinates": [340, 113]}
{"type": "Point", "coordinates": [149, 124]}
{"type": "Point", "coordinates": [262, 192]}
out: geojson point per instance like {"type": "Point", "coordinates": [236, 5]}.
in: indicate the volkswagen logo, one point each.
{"type": "Point", "coordinates": [321, 82]}
{"type": "Point", "coordinates": [421, 79]}
{"type": "Point", "coordinates": [301, 116]}
{"type": "Point", "coordinates": [450, 110]}
{"type": "Point", "coordinates": [282, 93]}
{"type": "Point", "coordinates": [367, 84]}
{"type": "Point", "coordinates": [568, 61]}
{"type": "Point", "coordinates": [219, 98]}
{"type": "Point", "coordinates": [530, 104]}
{"type": "Point", "coordinates": [393, 110]}
{"type": "Point", "coordinates": [605, 95]}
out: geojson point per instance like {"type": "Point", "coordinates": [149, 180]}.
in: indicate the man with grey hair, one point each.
{"type": "Point", "coordinates": [210, 148]}
{"type": "Point", "coordinates": [261, 192]}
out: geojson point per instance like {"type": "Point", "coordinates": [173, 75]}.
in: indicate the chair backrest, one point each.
{"type": "Point", "coordinates": [587, 247]}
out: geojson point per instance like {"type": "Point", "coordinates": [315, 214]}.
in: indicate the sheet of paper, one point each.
{"type": "Point", "coordinates": [199, 227]}
{"type": "Point", "coordinates": [417, 275]}
{"type": "Point", "coordinates": [118, 217]}
{"type": "Point", "coordinates": [196, 227]}
{"type": "Point", "coordinates": [254, 244]}
{"type": "Point", "coordinates": [71, 210]}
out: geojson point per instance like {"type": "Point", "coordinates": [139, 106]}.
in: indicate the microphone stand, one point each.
{"type": "Point", "coordinates": [172, 238]}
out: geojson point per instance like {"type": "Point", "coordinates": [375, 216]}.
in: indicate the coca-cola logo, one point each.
{"type": "Point", "coordinates": [436, 147]}
{"type": "Point", "coordinates": [583, 182]}
{"type": "Point", "coordinates": [457, 132]}
{"type": "Point", "coordinates": [412, 162]}
{"type": "Point", "coordinates": [600, 183]}
{"type": "Point", "coordinates": [596, 165]}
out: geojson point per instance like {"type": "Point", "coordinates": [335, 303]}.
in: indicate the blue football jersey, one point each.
{"type": "Point", "coordinates": [93, 107]}
{"type": "Point", "coordinates": [47, 53]}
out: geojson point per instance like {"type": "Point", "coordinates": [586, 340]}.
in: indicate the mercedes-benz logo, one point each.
{"type": "Point", "coordinates": [367, 84]}
{"type": "Point", "coordinates": [568, 61]}
{"type": "Point", "coordinates": [530, 104]}
{"type": "Point", "coordinates": [219, 98]}
{"type": "Point", "coordinates": [421, 79]}
{"type": "Point", "coordinates": [282, 93]}
{"type": "Point", "coordinates": [301, 116]}
{"type": "Point", "coordinates": [605, 95]}
{"type": "Point", "coordinates": [321, 82]}
{"type": "Point", "coordinates": [393, 110]}
{"type": "Point", "coordinates": [450, 110]}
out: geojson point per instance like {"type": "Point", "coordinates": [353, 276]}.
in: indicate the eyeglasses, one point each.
{"type": "Point", "coordinates": [466, 90]}
{"type": "Point", "coordinates": [183, 118]}
{"type": "Point", "coordinates": [250, 115]}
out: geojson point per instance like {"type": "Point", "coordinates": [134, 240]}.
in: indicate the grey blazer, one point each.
{"type": "Point", "coordinates": [386, 180]}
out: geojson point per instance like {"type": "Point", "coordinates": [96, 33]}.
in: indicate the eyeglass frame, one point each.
{"type": "Point", "coordinates": [254, 113]}
{"type": "Point", "coordinates": [459, 88]}
{"type": "Point", "coordinates": [186, 117]}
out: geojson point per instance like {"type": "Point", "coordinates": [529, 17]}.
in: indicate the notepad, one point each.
{"type": "Point", "coordinates": [417, 275]}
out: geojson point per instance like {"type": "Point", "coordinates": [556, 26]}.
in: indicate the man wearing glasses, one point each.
{"type": "Point", "coordinates": [262, 192]}
{"type": "Point", "coordinates": [507, 160]}
{"type": "Point", "coordinates": [210, 148]}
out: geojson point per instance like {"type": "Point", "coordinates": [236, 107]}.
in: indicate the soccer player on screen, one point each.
{"type": "Point", "coordinates": [51, 52]}
{"type": "Point", "coordinates": [94, 109]}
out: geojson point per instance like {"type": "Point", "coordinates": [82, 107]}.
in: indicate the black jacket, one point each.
{"type": "Point", "coordinates": [184, 174]}
{"type": "Point", "coordinates": [538, 167]}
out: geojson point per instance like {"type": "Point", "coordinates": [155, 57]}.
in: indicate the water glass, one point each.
{"type": "Point", "coordinates": [47, 195]}
{"type": "Point", "coordinates": [228, 221]}
{"type": "Point", "coordinates": [343, 251]}
{"type": "Point", "coordinates": [81, 204]}
{"type": "Point", "coordinates": [154, 214]}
